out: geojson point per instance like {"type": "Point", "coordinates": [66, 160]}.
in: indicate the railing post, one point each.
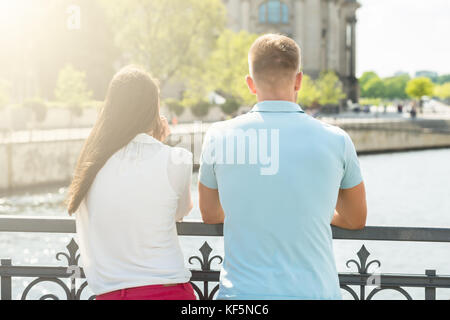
{"type": "Point", "coordinates": [430, 292]}
{"type": "Point", "coordinates": [193, 143]}
{"type": "Point", "coordinates": [5, 282]}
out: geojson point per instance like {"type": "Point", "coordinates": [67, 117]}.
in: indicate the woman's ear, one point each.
{"type": "Point", "coordinates": [250, 84]}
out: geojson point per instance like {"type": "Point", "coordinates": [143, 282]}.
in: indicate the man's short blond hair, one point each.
{"type": "Point", "coordinates": [273, 58]}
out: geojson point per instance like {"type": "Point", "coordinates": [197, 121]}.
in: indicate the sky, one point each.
{"type": "Point", "coordinates": [403, 35]}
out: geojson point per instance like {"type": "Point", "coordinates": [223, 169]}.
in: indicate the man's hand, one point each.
{"type": "Point", "coordinates": [351, 208]}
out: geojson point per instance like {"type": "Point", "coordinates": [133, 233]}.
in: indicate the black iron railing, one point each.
{"type": "Point", "coordinates": [361, 285]}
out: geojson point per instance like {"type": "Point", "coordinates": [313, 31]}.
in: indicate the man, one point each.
{"type": "Point", "coordinates": [277, 208]}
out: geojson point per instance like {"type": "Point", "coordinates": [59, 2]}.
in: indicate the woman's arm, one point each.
{"type": "Point", "coordinates": [185, 203]}
{"type": "Point", "coordinates": [180, 177]}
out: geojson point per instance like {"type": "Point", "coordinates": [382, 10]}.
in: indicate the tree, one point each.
{"type": "Point", "coordinates": [309, 94]}
{"type": "Point", "coordinates": [167, 37]}
{"type": "Point", "coordinates": [226, 69]}
{"type": "Point", "coordinates": [394, 87]}
{"type": "Point", "coordinates": [443, 79]}
{"type": "Point", "coordinates": [374, 88]}
{"type": "Point", "coordinates": [419, 87]}
{"type": "Point", "coordinates": [366, 77]}
{"type": "Point", "coordinates": [71, 87]}
{"type": "Point", "coordinates": [330, 88]}
{"type": "Point", "coordinates": [442, 91]}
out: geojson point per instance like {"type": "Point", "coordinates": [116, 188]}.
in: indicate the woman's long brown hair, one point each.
{"type": "Point", "coordinates": [131, 107]}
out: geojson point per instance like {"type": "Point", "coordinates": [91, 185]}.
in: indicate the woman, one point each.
{"type": "Point", "coordinates": [128, 191]}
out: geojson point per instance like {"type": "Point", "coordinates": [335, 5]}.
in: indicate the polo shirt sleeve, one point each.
{"type": "Point", "coordinates": [352, 171]}
{"type": "Point", "coordinates": [207, 174]}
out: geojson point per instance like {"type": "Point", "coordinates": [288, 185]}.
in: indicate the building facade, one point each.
{"type": "Point", "coordinates": [324, 29]}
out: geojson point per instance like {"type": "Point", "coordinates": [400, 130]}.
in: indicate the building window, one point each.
{"type": "Point", "coordinates": [274, 12]}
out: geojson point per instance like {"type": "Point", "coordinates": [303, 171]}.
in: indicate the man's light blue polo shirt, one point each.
{"type": "Point", "coordinates": [277, 234]}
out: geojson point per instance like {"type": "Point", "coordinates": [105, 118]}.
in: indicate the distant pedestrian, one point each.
{"type": "Point", "coordinates": [413, 112]}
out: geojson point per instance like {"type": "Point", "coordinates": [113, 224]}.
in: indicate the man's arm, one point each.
{"type": "Point", "coordinates": [210, 207]}
{"type": "Point", "coordinates": [351, 208]}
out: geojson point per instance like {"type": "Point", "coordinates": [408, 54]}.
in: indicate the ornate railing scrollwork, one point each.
{"type": "Point", "coordinates": [205, 264]}
{"type": "Point", "coordinates": [73, 271]}
{"type": "Point", "coordinates": [363, 269]}
{"type": "Point", "coordinates": [365, 277]}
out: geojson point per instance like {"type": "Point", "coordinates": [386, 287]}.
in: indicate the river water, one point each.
{"type": "Point", "coordinates": [410, 189]}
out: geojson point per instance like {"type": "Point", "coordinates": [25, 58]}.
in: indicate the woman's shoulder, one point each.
{"type": "Point", "coordinates": [180, 156]}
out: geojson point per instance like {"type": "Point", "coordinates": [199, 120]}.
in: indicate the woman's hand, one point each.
{"type": "Point", "coordinates": [164, 128]}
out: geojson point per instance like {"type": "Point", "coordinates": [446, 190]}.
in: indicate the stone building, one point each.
{"type": "Point", "coordinates": [325, 30]}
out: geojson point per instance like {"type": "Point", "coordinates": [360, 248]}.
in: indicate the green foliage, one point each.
{"type": "Point", "coordinates": [175, 106]}
{"type": "Point", "coordinates": [394, 87]}
{"type": "Point", "coordinates": [309, 94]}
{"type": "Point", "coordinates": [38, 107]}
{"type": "Point", "coordinates": [226, 68]}
{"type": "Point", "coordinates": [230, 106]}
{"type": "Point", "coordinates": [442, 91]}
{"type": "Point", "coordinates": [374, 88]}
{"type": "Point", "coordinates": [330, 88]}
{"type": "Point", "coordinates": [419, 87]}
{"type": "Point", "coordinates": [370, 102]}
{"type": "Point", "coordinates": [170, 37]}
{"type": "Point", "coordinates": [4, 93]}
{"type": "Point", "coordinates": [366, 77]}
{"type": "Point", "coordinates": [71, 88]}
{"type": "Point", "coordinates": [443, 79]}
{"type": "Point", "coordinates": [326, 90]}
{"type": "Point", "coordinates": [200, 108]}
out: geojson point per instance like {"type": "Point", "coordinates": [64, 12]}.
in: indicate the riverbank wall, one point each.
{"type": "Point", "coordinates": [39, 163]}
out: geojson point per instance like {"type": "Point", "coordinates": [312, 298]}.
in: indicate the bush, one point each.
{"type": "Point", "coordinates": [38, 107]}
{"type": "Point", "coordinates": [200, 109]}
{"type": "Point", "coordinates": [230, 106]}
{"type": "Point", "coordinates": [370, 101]}
{"type": "Point", "coordinates": [71, 87]}
{"type": "Point", "coordinates": [175, 106]}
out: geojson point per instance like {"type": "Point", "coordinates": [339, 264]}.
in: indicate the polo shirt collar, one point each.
{"type": "Point", "coordinates": [277, 106]}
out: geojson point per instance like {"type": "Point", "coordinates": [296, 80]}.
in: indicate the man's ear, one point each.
{"type": "Point", "coordinates": [298, 81]}
{"type": "Point", "coordinates": [250, 84]}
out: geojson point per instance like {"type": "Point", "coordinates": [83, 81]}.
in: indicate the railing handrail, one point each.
{"type": "Point", "coordinates": [68, 225]}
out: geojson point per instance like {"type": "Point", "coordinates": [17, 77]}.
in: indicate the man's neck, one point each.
{"type": "Point", "coordinates": [269, 97]}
